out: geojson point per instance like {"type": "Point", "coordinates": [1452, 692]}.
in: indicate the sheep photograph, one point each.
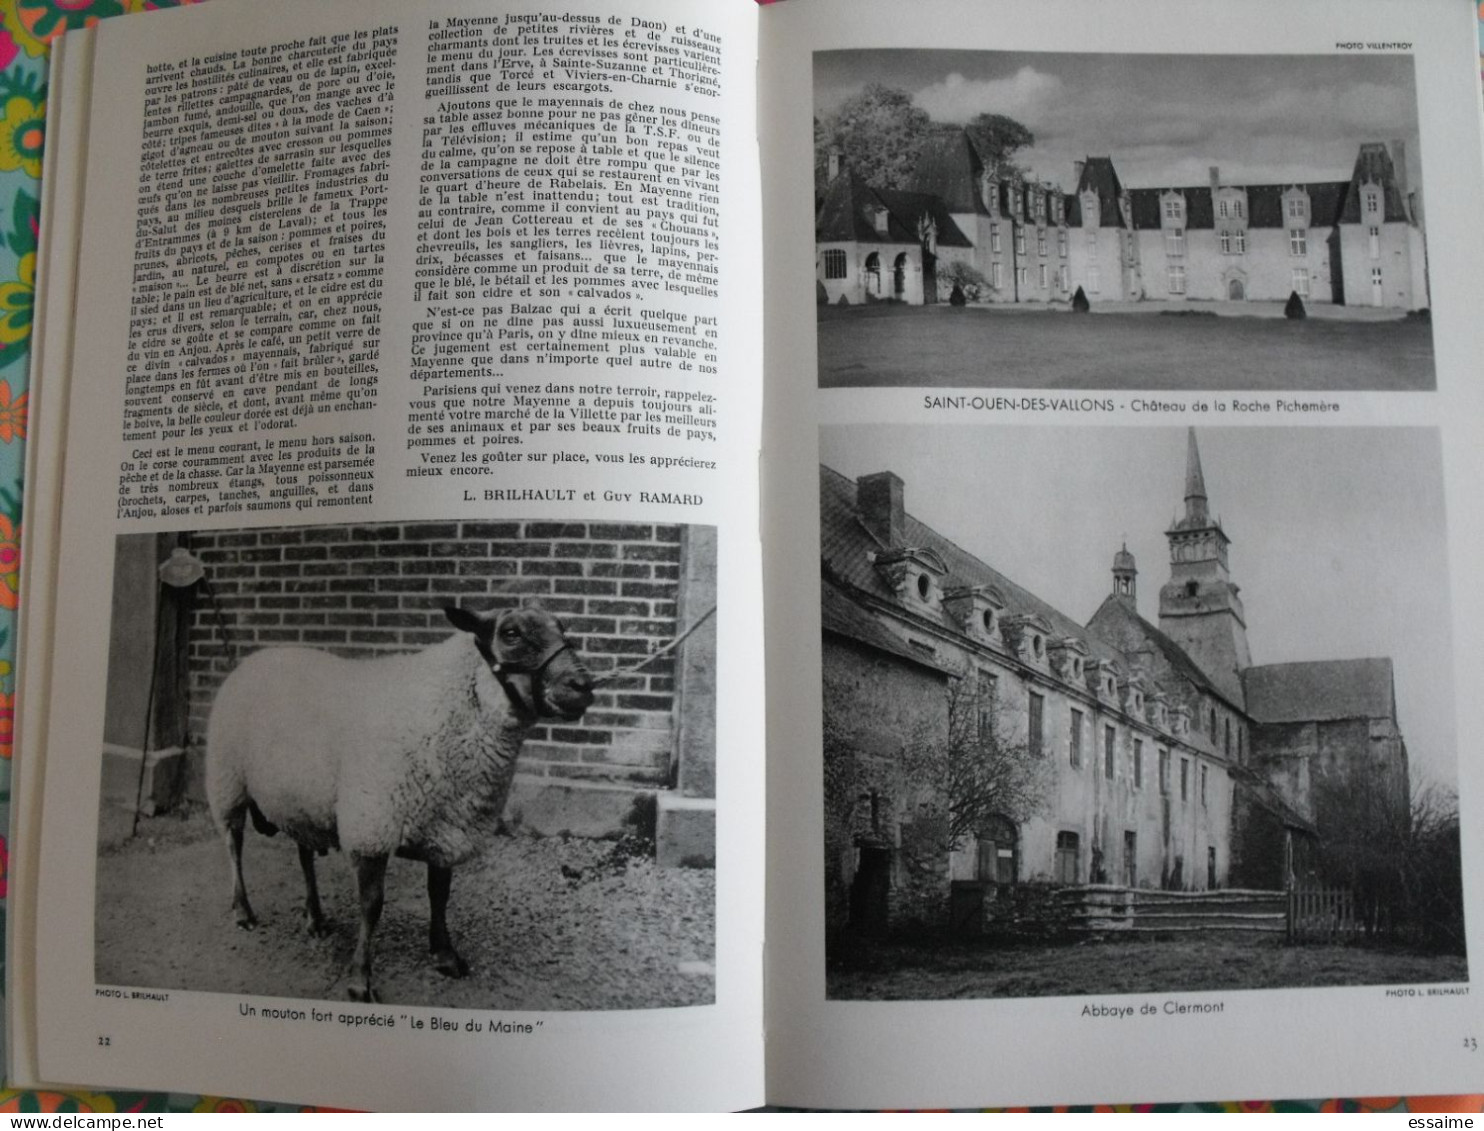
{"type": "Point", "coordinates": [463, 764]}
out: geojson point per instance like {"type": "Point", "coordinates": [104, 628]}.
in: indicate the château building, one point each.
{"type": "Point", "coordinates": [1168, 759]}
{"type": "Point", "coordinates": [1357, 241]}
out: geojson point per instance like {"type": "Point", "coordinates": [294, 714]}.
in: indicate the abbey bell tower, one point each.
{"type": "Point", "coordinates": [1199, 607]}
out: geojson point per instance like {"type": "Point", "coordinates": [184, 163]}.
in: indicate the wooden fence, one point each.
{"type": "Point", "coordinates": [1334, 914]}
{"type": "Point", "coordinates": [1100, 908]}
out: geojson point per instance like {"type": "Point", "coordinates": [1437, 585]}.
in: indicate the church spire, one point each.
{"type": "Point", "coordinates": [1199, 607]}
{"type": "Point", "coordinates": [1195, 482]}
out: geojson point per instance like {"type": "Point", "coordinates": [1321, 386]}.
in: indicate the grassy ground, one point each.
{"type": "Point", "coordinates": [876, 971]}
{"type": "Point", "coordinates": [945, 346]}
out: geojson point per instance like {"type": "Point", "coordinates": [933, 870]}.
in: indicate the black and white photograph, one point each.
{"type": "Point", "coordinates": [452, 763]}
{"type": "Point", "coordinates": [1133, 710]}
{"type": "Point", "coordinates": [1046, 220]}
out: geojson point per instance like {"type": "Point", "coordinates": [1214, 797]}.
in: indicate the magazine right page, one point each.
{"type": "Point", "coordinates": [1126, 748]}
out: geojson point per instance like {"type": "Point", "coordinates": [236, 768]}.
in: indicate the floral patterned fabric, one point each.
{"type": "Point", "coordinates": [27, 27]}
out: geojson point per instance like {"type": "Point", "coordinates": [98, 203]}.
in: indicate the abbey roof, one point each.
{"type": "Point", "coordinates": [1320, 691]}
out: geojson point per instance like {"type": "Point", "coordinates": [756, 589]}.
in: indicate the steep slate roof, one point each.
{"type": "Point", "coordinates": [1264, 205]}
{"type": "Point", "coordinates": [908, 207]}
{"type": "Point", "coordinates": [949, 167]}
{"type": "Point", "coordinates": [1099, 175]}
{"type": "Point", "coordinates": [845, 542]}
{"type": "Point", "coordinates": [843, 617]}
{"type": "Point", "coordinates": [1373, 163]}
{"type": "Point", "coordinates": [1330, 202]}
{"type": "Point", "coordinates": [1320, 691]}
{"type": "Point", "coordinates": [1113, 613]}
{"type": "Point", "coordinates": [1145, 207]}
{"type": "Point", "coordinates": [847, 214]}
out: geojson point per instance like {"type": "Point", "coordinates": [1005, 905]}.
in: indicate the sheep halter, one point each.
{"type": "Point", "coordinates": [502, 670]}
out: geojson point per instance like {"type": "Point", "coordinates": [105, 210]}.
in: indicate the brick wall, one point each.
{"type": "Point", "coordinates": [365, 590]}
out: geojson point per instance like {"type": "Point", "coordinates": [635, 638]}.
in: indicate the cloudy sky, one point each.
{"type": "Point", "coordinates": [1338, 534]}
{"type": "Point", "coordinates": [1164, 119]}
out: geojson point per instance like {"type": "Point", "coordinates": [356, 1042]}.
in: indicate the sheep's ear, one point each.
{"type": "Point", "coordinates": [466, 620]}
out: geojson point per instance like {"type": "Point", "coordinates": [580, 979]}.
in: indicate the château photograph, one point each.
{"type": "Point", "coordinates": [1206, 222]}
{"type": "Point", "coordinates": [1119, 710]}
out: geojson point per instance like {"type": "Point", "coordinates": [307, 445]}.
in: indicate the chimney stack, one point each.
{"type": "Point", "coordinates": [880, 500]}
{"type": "Point", "coordinates": [1215, 171]}
{"type": "Point", "coordinates": [1399, 164]}
{"type": "Point", "coordinates": [1077, 167]}
{"type": "Point", "coordinates": [835, 158]}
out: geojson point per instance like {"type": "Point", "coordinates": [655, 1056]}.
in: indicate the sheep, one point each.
{"type": "Point", "coordinates": [410, 754]}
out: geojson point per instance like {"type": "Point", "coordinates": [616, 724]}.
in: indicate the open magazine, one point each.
{"type": "Point", "coordinates": [504, 630]}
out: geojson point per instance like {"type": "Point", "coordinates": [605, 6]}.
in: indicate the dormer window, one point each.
{"type": "Point", "coordinates": [1110, 687]}
{"type": "Point", "coordinates": [975, 609]}
{"type": "Point", "coordinates": [1370, 197]}
{"type": "Point", "coordinates": [1066, 653]}
{"type": "Point", "coordinates": [912, 573]}
{"type": "Point", "coordinates": [1174, 209]}
{"type": "Point", "coordinates": [1090, 217]}
{"type": "Point", "coordinates": [927, 234]}
{"type": "Point", "coordinates": [881, 220]}
{"type": "Point", "coordinates": [1026, 634]}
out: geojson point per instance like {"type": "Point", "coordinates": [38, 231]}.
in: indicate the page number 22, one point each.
{"type": "Point", "coordinates": [104, 1042]}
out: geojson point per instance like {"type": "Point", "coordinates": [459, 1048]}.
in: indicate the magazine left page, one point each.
{"type": "Point", "coordinates": [402, 742]}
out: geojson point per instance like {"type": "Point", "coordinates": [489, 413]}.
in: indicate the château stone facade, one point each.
{"type": "Point", "coordinates": [1356, 242]}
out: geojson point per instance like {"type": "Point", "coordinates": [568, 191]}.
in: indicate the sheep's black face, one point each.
{"type": "Point", "coordinates": [529, 653]}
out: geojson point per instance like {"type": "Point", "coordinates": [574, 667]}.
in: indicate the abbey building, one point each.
{"type": "Point", "coordinates": [1118, 752]}
{"type": "Point", "coordinates": [1356, 241]}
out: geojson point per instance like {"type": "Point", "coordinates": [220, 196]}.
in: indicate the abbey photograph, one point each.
{"type": "Point", "coordinates": [1125, 710]}
{"type": "Point", "coordinates": [1043, 220]}
{"type": "Point", "coordinates": [453, 763]}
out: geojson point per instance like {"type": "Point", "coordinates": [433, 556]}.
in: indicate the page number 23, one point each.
{"type": "Point", "coordinates": [1471, 1043]}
